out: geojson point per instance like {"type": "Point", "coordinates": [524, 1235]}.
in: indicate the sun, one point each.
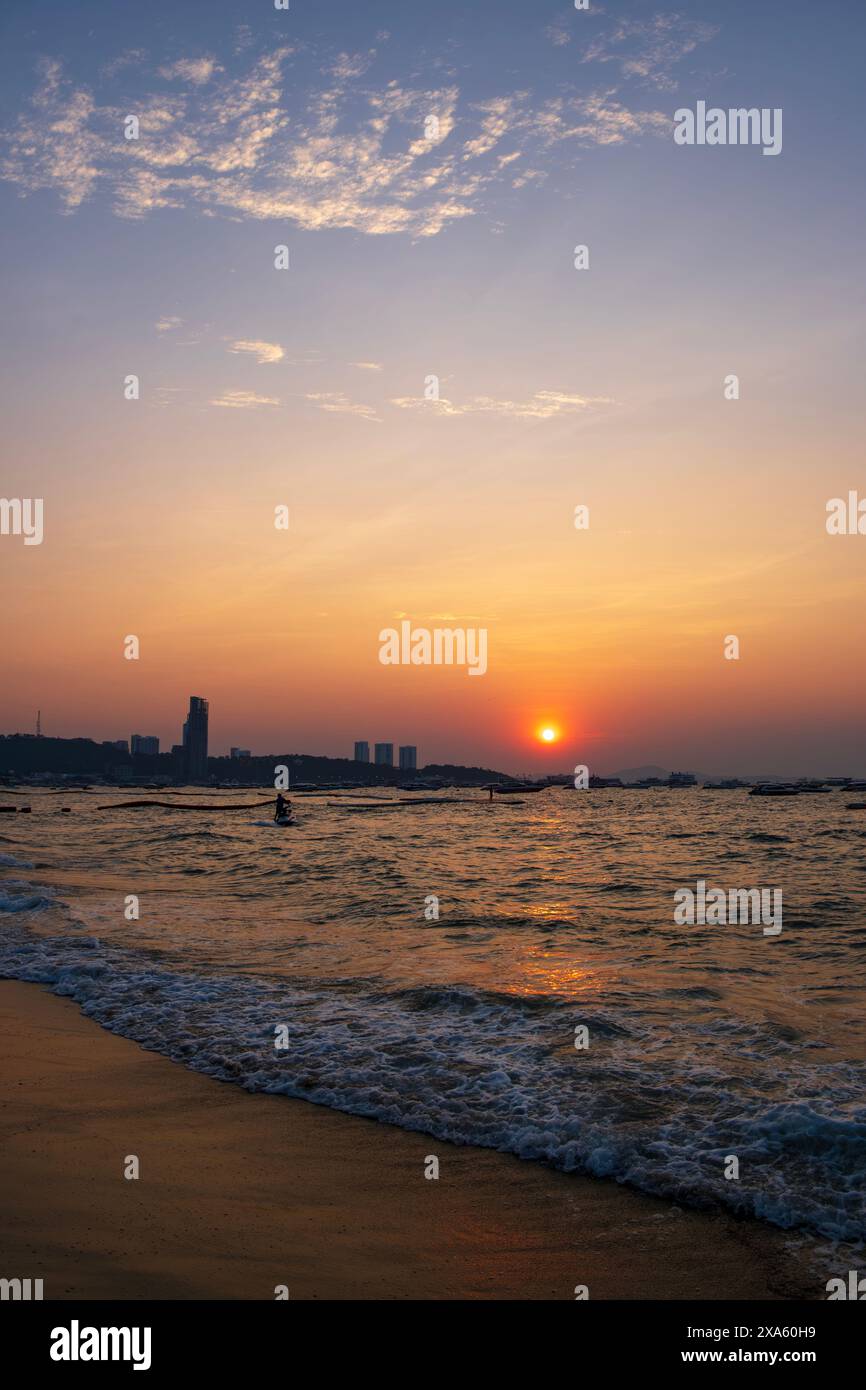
{"type": "Point", "coordinates": [548, 735]}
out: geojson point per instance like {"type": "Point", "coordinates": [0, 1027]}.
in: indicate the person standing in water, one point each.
{"type": "Point", "coordinates": [284, 807]}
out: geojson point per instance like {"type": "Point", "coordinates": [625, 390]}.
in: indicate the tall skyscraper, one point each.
{"type": "Point", "coordinates": [195, 739]}
{"type": "Point", "coordinates": [144, 743]}
{"type": "Point", "coordinates": [362, 752]}
{"type": "Point", "coordinates": [408, 758]}
{"type": "Point", "coordinates": [385, 754]}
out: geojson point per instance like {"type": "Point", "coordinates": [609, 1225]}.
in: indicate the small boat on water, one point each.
{"type": "Point", "coordinates": [774, 789]}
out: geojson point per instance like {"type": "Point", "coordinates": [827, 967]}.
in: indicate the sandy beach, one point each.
{"type": "Point", "coordinates": [239, 1193]}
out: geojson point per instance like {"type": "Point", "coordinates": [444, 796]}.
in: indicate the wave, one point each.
{"type": "Point", "coordinates": [16, 896]}
{"type": "Point", "coordinates": [484, 1067]}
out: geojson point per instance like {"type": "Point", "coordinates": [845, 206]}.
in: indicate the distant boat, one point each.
{"type": "Point", "coordinates": [727, 784]}
{"type": "Point", "coordinates": [513, 788]}
{"type": "Point", "coordinates": [774, 789]}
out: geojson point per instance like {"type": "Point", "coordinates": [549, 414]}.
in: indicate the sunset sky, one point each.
{"type": "Point", "coordinates": [453, 255]}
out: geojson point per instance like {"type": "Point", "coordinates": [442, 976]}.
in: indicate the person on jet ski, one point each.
{"type": "Point", "coordinates": [284, 807]}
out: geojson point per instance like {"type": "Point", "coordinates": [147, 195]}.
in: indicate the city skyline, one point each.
{"type": "Point", "coordinates": [408, 758]}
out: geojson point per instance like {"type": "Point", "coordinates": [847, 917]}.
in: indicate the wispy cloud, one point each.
{"type": "Point", "coordinates": [340, 404]}
{"type": "Point", "coordinates": [346, 154]}
{"type": "Point", "coordinates": [350, 65]}
{"type": "Point", "coordinates": [195, 70]}
{"type": "Point", "coordinates": [167, 323]}
{"type": "Point", "coordinates": [243, 400]}
{"type": "Point", "coordinates": [648, 49]}
{"type": "Point", "coordinates": [558, 34]}
{"type": "Point", "coordinates": [367, 366]}
{"type": "Point", "coordinates": [264, 352]}
{"type": "Point", "coordinates": [165, 395]}
{"type": "Point", "coordinates": [130, 58]}
{"type": "Point", "coordinates": [543, 405]}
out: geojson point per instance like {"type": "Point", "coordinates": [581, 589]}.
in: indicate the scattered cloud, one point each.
{"type": "Point", "coordinates": [558, 34]}
{"type": "Point", "coordinates": [340, 404]}
{"type": "Point", "coordinates": [131, 57]}
{"type": "Point", "coordinates": [349, 65]}
{"type": "Point", "coordinates": [243, 38]}
{"type": "Point", "coordinates": [195, 70]}
{"type": "Point", "coordinates": [167, 323]}
{"type": "Point", "coordinates": [343, 154]}
{"type": "Point", "coordinates": [264, 352]}
{"type": "Point", "coordinates": [648, 49]}
{"type": "Point", "coordinates": [544, 405]}
{"type": "Point", "coordinates": [243, 400]}
{"type": "Point", "coordinates": [367, 366]}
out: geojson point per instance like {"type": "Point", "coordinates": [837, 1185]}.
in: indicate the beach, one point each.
{"type": "Point", "coordinates": [241, 1193]}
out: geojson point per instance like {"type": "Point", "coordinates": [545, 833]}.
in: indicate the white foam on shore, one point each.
{"type": "Point", "coordinates": [499, 1071]}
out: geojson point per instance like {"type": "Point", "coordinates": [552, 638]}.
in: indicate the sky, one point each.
{"type": "Point", "coordinates": [431, 169]}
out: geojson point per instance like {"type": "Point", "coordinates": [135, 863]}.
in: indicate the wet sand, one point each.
{"type": "Point", "coordinates": [240, 1193]}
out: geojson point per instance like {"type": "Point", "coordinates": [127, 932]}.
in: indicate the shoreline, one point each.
{"type": "Point", "coordinates": [241, 1192]}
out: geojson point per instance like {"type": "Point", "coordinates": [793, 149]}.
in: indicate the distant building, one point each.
{"type": "Point", "coordinates": [385, 754]}
{"type": "Point", "coordinates": [362, 752]}
{"type": "Point", "coordinates": [121, 743]}
{"type": "Point", "coordinates": [240, 753]}
{"type": "Point", "coordinates": [408, 759]}
{"type": "Point", "coordinates": [195, 739]}
{"type": "Point", "coordinates": [144, 743]}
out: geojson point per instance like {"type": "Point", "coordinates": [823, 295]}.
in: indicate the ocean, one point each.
{"type": "Point", "coordinates": [310, 961]}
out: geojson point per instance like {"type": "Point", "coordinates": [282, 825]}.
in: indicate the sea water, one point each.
{"type": "Point", "coordinates": [306, 961]}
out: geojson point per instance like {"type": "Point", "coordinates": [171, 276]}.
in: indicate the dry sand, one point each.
{"type": "Point", "coordinates": [240, 1193]}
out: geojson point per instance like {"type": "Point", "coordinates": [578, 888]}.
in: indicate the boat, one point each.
{"type": "Point", "coordinates": [774, 789]}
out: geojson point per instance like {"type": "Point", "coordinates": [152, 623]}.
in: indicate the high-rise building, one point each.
{"type": "Point", "coordinates": [385, 754]}
{"type": "Point", "coordinates": [144, 743]}
{"type": "Point", "coordinates": [195, 739]}
{"type": "Point", "coordinates": [362, 752]}
{"type": "Point", "coordinates": [121, 744]}
{"type": "Point", "coordinates": [408, 758]}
